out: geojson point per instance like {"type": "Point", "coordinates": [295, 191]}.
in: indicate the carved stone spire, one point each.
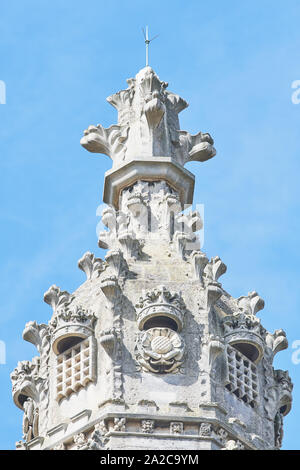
{"type": "Point", "coordinates": [151, 352]}
{"type": "Point", "coordinates": [148, 134]}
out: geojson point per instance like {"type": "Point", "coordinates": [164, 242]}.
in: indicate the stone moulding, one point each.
{"type": "Point", "coordinates": [152, 169]}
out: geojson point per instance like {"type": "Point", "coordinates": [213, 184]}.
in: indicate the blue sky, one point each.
{"type": "Point", "coordinates": [234, 62]}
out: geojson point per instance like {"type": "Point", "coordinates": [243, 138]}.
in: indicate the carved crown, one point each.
{"type": "Point", "coordinates": [75, 322]}
{"type": "Point", "coordinates": [160, 302]}
{"type": "Point", "coordinates": [244, 328]}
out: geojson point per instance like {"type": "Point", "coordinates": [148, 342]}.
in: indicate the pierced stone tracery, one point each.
{"type": "Point", "coordinates": [242, 377]}
{"type": "Point", "coordinates": [75, 368]}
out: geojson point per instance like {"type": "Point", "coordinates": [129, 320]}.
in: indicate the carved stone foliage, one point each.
{"type": "Point", "coordinates": [160, 301]}
{"type": "Point", "coordinates": [76, 315]}
{"type": "Point", "coordinates": [159, 350]}
{"type": "Point", "coordinates": [147, 125]}
{"type": "Point", "coordinates": [276, 342]}
{"type": "Point", "coordinates": [176, 427]}
{"type": "Point", "coordinates": [208, 273]}
{"type": "Point", "coordinates": [147, 425]}
{"type": "Point", "coordinates": [57, 298]}
{"type": "Point", "coordinates": [205, 429]}
{"type": "Point", "coordinates": [90, 265]}
{"type": "Point", "coordinates": [111, 141]}
{"type": "Point", "coordinates": [119, 424]}
{"type": "Point", "coordinates": [96, 440]}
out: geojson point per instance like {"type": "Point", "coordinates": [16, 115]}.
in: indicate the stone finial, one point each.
{"type": "Point", "coordinates": [90, 265]}
{"type": "Point", "coordinates": [57, 298]}
{"type": "Point", "coordinates": [148, 125]}
{"type": "Point", "coordinates": [148, 131]}
{"type": "Point", "coordinates": [251, 304]}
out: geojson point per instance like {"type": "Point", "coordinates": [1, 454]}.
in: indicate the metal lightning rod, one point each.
{"type": "Point", "coordinates": [147, 42]}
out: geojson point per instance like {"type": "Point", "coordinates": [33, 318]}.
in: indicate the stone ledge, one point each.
{"type": "Point", "coordinates": [152, 169]}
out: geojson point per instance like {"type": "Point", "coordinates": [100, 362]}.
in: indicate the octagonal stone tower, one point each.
{"type": "Point", "coordinates": [150, 352]}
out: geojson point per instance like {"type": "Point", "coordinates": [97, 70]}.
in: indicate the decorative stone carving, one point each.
{"type": "Point", "coordinates": [176, 427]}
{"type": "Point", "coordinates": [197, 147]}
{"type": "Point", "coordinates": [222, 435]}
{"type": "Point", "coordinates": [80, 442]}
{"type": "Point", "coordinates": [216, 347]}
{"type": "Point", "coordinates": [148, 127]}
{"type": "Point", "coordinates": [244, 328]}
{"type": "Point", "coordinates": [205, 429]}
{"type": "Point", "coordinates": [284, 391]}
{"type": "Point", "coordinates": [119, 424]}
{"type": "Point", "coordinates": [208, 274]}
{"type": "Point", "coordinates": [132, 247]}
{"type": "Point", "coordinates": [75, 322]}
{"type": "Point", "coordinates": [160, 302]}
{"type": "Point", "coordinates": [97, 441]}
{"type": "Point", "coordinates": [108, 339]}
{"type": "Point", "coordinates": [110, 141]}
{"type": "Point", "coordinates": [251, 304]}
{"type": "Point", "coordinates": [233, 445]}
{"type": "Point", "coordinates": [214, 269]}
{"type": "Point", "coordinates": [160, 350]}
{"type": "Point", "coordinates": [116, 263]}
{"type": "Point", "coordinates": [30, 420]}
{"type": "Point", "coordinates": [224, 393]}
{"type": "Point", "coordinates": [276, 341]}
{"type": "Point", "coordinates": [90, 265]}
{"type": "Point", "coordinates": [57, 298]}
{"type": "Point", "coordinates": [147, 426]}
{"type": "Point", "coordinates": [40, 336]}
{"type": "Point", "coordinates": [200, 261]}
{"type": "Point", "coordinates": [23, 380]}
{"type": "Point", "coordinates": [151, 124]}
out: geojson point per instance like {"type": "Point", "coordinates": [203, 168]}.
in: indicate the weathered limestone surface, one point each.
{"type": "Point", "coordinates": [150, 352]}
